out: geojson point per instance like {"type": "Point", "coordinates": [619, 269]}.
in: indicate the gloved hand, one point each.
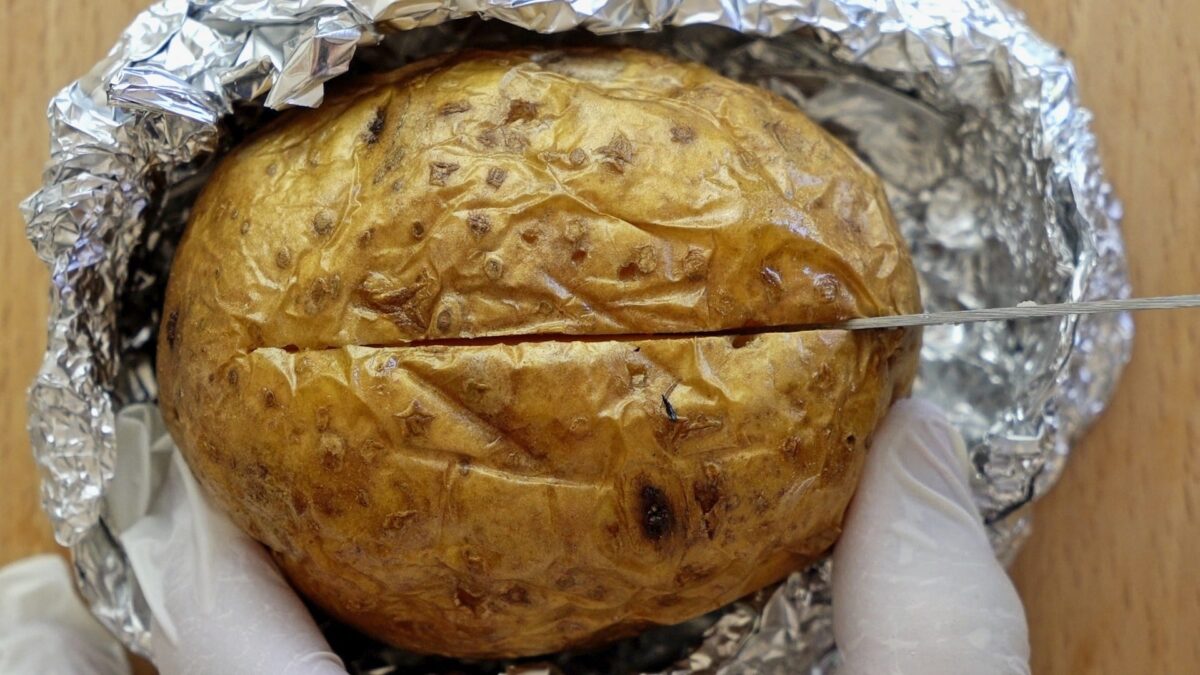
{"type": "Point", "coordinates": [219, 603]}
{"type": "Point", "coordinates": [916, 587]}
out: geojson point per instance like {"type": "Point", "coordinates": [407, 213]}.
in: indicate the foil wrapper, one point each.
{"type": "Point", "coordinates": [972, 120]}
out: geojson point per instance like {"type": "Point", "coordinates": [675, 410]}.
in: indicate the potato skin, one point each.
{"type": "Point", "coordinates": [383, 349]}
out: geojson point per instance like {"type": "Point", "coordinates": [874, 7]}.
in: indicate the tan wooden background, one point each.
{"type": "Point", "coordinates": [1110, 576]}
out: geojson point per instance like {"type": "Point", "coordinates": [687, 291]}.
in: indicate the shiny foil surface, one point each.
{"type": "Point", "coordinates": [971, 119]}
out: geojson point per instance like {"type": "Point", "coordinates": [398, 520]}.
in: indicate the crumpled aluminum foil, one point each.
{"type": "Point", "coordinates": [971, 119]}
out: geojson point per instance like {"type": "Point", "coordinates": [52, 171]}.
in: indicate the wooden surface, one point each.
{"type": "Point", "coordinates": [1109, 576]}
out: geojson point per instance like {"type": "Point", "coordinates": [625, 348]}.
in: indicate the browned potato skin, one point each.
{"type": "Point", "coordinates": [520, 495]}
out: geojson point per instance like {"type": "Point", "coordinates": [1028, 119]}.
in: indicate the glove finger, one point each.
{"type": "Point", "coordinates": [916, 586]}
{"type": "Point", "coordinates": [219, 604]}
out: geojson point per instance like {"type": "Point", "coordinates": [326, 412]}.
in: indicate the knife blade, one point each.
{"type": "Point", "coordinates": [1019, 312]}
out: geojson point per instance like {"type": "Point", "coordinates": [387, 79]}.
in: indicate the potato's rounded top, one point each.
{"type": "Point", "coordinates": [578, 192]}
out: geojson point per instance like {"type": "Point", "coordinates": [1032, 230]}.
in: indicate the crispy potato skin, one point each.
{"type": "Point", "coordinates": [416, 342]}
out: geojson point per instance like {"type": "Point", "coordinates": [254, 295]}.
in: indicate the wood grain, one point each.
{"type": "Point", "coordinates": [1108, 577]}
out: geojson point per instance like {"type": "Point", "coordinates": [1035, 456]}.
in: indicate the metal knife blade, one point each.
{"type": "Point", "coordinates": [1019, 312]}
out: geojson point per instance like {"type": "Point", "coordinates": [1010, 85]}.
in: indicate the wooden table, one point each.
{"type": "Point", "coordinates": [1109, 578]}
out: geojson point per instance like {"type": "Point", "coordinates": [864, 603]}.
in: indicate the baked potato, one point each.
{"type": "Point", "coordinates": [496, 352]}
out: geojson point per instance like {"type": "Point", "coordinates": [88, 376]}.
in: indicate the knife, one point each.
{"type": "Point", "coordinates": [1025, 310]}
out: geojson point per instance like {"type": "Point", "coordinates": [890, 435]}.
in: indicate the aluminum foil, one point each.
{"type": "Point", "coordinates": [971, 119]}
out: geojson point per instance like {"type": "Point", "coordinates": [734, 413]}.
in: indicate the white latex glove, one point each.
{"type": "Point", "coordinates": [44, 627]}
{"type": "Point", "coordinates": [916, 587]}
{"type": "Point", "coordinates": [219, 604]}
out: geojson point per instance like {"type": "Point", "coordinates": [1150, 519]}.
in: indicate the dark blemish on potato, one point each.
{"type": "Point", "coordinates": [283, 258]}
{"type": "Point", "coordinates": [272, 169]}
{"type": "Point", "coordinates": [418, 229]}
{"type": "Point", "coordinates": [269, 398]}
{"type": "Point", "coordinates": [479, 223]}
{"type": "Point", "coordinates": [375, 126]}
{"type": "Point", "coordinates": [464, 466]}
{"type": "Point", "coordinates": [681, 133]}
{"type": "Point", "coordinates": [618, 154]}
{"type": "Point", "coordinates": [739, 341]}
{"type": "Point", "coordinates": [695, 265]}
{"type": "Point", "coordinates": [530, 236]}
{"type": "Point", "coordinates": [671, 414]}
{"type": "Point", "coordinates": [321, 291]}
{"type": "Point", "coordinates": [657, 518]}
{"type": "Point", "coordinates": [398, 520]}
{"type": "Point", "coordinates": [232, 376]}
{"type": "Point", "coordinates": [440, 172]}
{"type": "Point", "coordinates": [245, 228]}
{"type": "Point", "coordinates": [828, 287]}
{"type": "Point", "coordinates": [579, 255]}
{"type": "Point", "coordinates": [851, 440]}
{"type": "Point", "coordinates": [627, 272]}
{"type": "Point", "coordinates": [172, 329]}
{"type": "Point", "coordinates": [488, 139]}
{"type": "Point", "coordinates": [299, 502]}
{"type": "Point", "coordinates": [365, 237]}
{"type": "Point", "coordinates": [496, 176]}
{"type": "Point", "coordinates": [493, 269]}
{"type": "Point", "coordinates": [517, 595]}
{"type": "Point", "coordinates": [467, 599]}
{"type": "Point", "coordinates": [521, 111]}
{"type": "Point", "coordinates": [443, 320]}
{"type": "Point", "coordinates": [454, 107]}
{"type": "Point", "coordinates": [577, 158]}
{"type": "Point", "coordinates": [416, 421]}
{"type": "Point", "coordinates": [362, 498]}
{"type": "Point", "coordinates": [322, 222]}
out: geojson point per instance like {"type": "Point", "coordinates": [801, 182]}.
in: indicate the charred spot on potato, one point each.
{"type": "Point", "coordinates": [479, 223]}
{"type": "Point", "coordinates": [618, 153]}
{"type": "Point", "coordinates": [493, 269]}
{"type": "Point", "coordinates": [521, 111]}
{"type": "Point", "coordinates": [415, 420]}
{"type": "Point", "coordinates": [496, 176]}
{"type": "Point", "coordinates": [320, 292]}
{"type": "Point", "coordinates": [671, 414]}
{"type": "Point", "coordinates": [453, 108]}
{"type": "Point", "coordinates": [418, 229]}
{"type": "Point", "coordinates": [516, 595]}
{"type": "Point", "coordinates": [322, 222]}
{"type": "Point", "coordinates": [398, 520]}
{"type": "Point", "coordinates": [578, 255]}
{"type": "Point", "coordinates": [299, 502]}
{"type": "Point", "coordinates": [173, 329]}
{"type": "Point", "coordinates": [364, 238]}
{"type": "Point", "coordinates": [375, 126]}
{"type": "Point", "coordinates": [269, 398]}
{"type": "Point", "coordinates": [682, 133]}
{"type": "Point", "coordinates": [440, 172]}
{"type": "Point", "coordinates": [657, 518]}
{"type": "Point", "coordinates": [467, 599]}
{"type": "Point", "coordinates": [741, 340]}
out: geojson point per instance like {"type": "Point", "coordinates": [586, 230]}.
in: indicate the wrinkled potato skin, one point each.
{"type": "Point", "coordinates": [519, 495]}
